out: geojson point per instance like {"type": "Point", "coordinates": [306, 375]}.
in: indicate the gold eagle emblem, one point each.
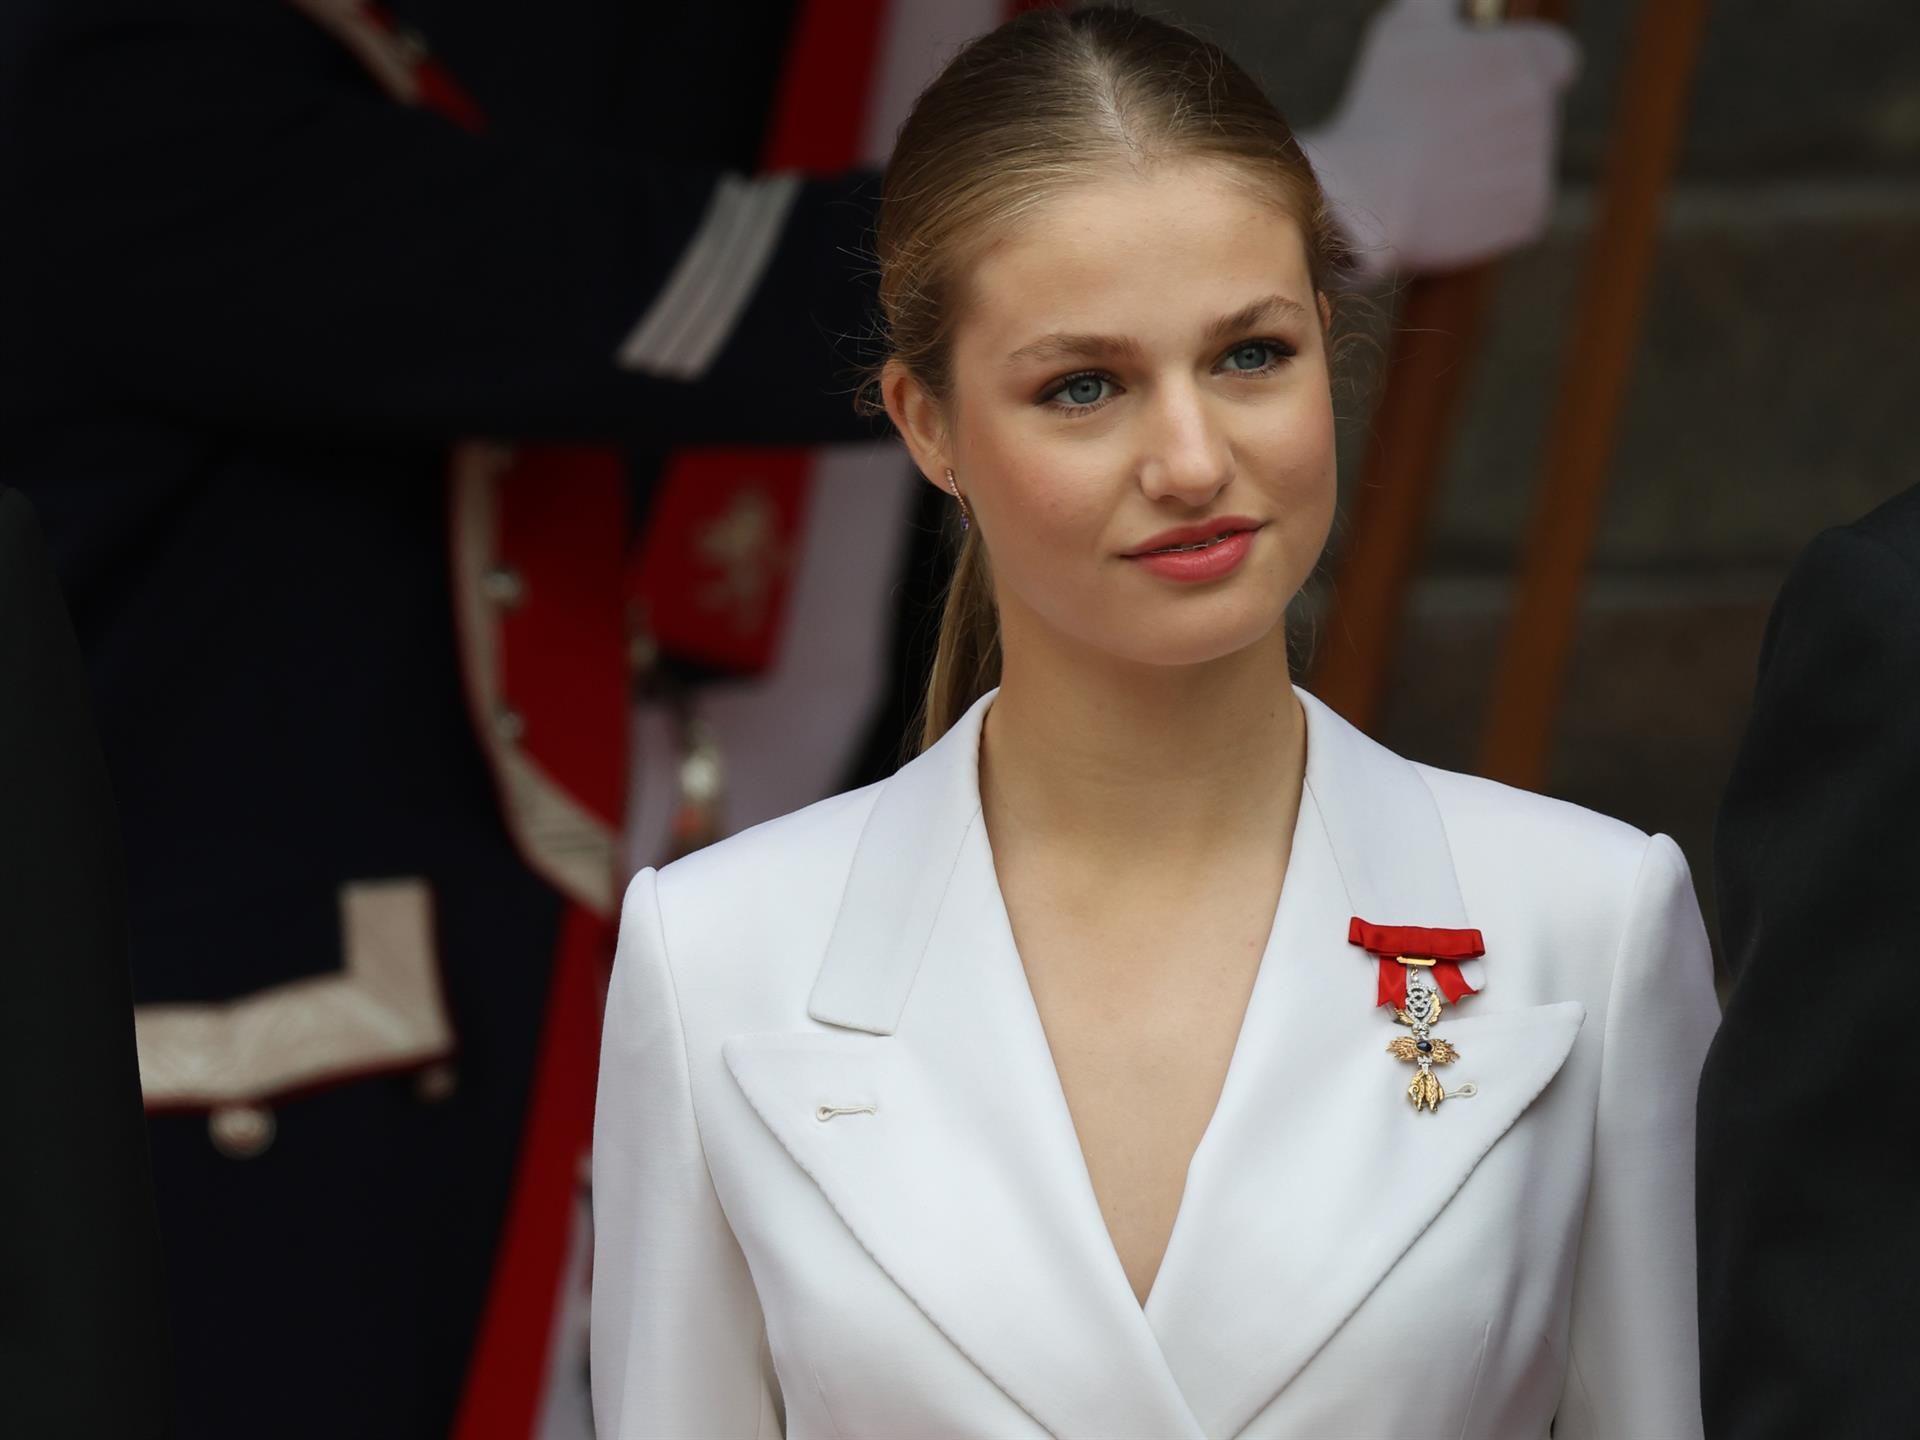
{"type": "Point", "coordinates": [1405, 1047]}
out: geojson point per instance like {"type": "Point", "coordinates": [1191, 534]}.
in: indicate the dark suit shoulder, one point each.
{"type": "Point", "coordinates": [1850, 591]}
{"type": "Point", "coordinates": [1895, 524]}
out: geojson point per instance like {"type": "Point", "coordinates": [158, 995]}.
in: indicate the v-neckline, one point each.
{"type": "Point", "coordinates": [1310, 1181]}
{"type": "Point", "coordinates": [1262, 982]}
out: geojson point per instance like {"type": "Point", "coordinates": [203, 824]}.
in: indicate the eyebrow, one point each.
{"type": "Point", "coordinates": [1062, 345]}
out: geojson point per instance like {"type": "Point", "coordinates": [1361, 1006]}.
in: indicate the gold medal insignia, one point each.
{"type": "Point", "coordinates": [1419, 976]}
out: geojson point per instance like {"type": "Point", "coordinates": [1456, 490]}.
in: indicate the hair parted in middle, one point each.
{"type": "Point", "coordinates": [1024, 112]}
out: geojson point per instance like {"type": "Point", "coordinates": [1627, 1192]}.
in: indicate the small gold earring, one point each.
{"type": "Point", "coordinates": [966, 520]}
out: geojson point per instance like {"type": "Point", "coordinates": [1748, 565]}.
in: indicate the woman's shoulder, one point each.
{"type": "Point", "coordinates": [1488, 815]}
{"type": "Point", "coordinates": [760, 896]}
{"type": "Point", "coordinates": [791, 859]}
{"type": "Point", "coordinates": [1488, 826]}
{"type": "Point", "coordinates": [1576, 879]}
{"type": "Point", "coordinates": [1578, 892]}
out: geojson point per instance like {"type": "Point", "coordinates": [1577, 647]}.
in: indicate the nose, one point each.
{"type": "Point", "coordinates": [1187, 457]}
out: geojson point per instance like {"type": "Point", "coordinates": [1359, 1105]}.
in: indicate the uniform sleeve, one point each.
{"type": "Point", "coordinates": [677, 1338]}
{"type": "Point", "coordinates": [83, 1343]}
{"type": "Point", "coordinates": [1633, 1367]}
{"type": "Point", "coordinates": [229, 222]}
{"type": "Point", "coordinates": [1808, 1249]}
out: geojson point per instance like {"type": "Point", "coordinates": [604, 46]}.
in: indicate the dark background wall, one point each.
{"type": "Point", "coordinates": [1774, 394]}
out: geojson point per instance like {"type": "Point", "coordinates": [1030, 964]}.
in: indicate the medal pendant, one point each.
{"type": "Point", "coordinates": [1420, 1014]}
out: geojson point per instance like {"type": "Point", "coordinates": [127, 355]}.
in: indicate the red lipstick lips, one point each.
{"type": "Point", "coordinates": [1194, 553]}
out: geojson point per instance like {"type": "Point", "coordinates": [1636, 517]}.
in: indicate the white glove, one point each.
{"type": "Point", "coordinates": [1442, 151]}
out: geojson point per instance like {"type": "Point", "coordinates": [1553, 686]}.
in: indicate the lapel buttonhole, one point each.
{"type": "Point", "coordinates": [824, 1113]}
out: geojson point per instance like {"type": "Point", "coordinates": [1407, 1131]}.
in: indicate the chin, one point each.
{"type": "Point", "coordinates": [1194, 640]}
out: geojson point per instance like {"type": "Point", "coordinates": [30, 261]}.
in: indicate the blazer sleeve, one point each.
{"type": "Point", "coordinates": [1808, 1250]}
{"type": "Point", "coordinates": [1633, 1367]}
{"type": "Point", "coordinates": [677, 1334]}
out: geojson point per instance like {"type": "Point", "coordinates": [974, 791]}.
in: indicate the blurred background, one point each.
{"type": "Point", "coordinates": [1770, 393]}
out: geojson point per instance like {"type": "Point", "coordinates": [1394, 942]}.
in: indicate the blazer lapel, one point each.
{"type": "Point", "coordinates": [964, 1179]}
{"type": "Point", "coordinates": [1316, 1175]}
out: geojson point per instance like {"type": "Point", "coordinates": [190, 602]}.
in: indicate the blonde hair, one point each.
{"type": "Point", "coordinates": [1020, 114]}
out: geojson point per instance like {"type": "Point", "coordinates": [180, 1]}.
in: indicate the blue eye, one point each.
{"type": "Point", "coordinates": [1080, 392]}
{"type": "Point", "coordinates": [1254, 356]}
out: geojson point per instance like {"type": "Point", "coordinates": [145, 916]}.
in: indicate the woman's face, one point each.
{"type": "Point", "coordinates": [1141, 366]}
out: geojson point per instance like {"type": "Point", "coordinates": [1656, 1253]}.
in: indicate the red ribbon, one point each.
{"type": "Point", "coordinates": [1446, 948]}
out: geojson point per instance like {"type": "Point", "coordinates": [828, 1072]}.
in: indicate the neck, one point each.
{"type": "Point", "coordinates": [1127, 764]}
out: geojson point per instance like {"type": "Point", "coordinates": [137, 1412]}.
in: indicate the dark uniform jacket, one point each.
{"type": "Point", "coordinates": [249, 302]}
{"type": "Point", "coordinates": [1808, 1247]}
{"type": "Point", "coordinates": [82, 1342]}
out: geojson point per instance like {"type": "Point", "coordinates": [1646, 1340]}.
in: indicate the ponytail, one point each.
{"type": "Point", "coordinates": [966, 662]}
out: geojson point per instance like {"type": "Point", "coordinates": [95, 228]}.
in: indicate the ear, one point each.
{"type": "Point", "coordinates": [920, 419]}
{"type": "Point", "coordinates": [1326, 312]}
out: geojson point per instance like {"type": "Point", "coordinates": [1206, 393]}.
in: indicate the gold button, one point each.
{"type": "Point", "coordinates": [503, 585]}
{"type": "Point", "coordinates": [643, 651]}
{"type": "Point", "coordinates": [701, 776]}
{"type": "Point", "coordinates": [435, 1084]}
{"type": "Point", "coordinates": [240, 1132]}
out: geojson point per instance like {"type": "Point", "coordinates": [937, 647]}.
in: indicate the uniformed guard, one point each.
{"type": "Point", "coordinates": [343, 350]}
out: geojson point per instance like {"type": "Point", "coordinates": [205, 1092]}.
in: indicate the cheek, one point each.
{"type": "Point", "coordinates": [1292, 457]}
{"type": "Point", "coordinates": [1041, 494]}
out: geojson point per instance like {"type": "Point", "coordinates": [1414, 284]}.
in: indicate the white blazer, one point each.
{"type": "Point", "coordinates": [838, 1193]}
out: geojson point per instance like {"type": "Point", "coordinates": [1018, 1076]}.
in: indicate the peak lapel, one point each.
{"type": "Point", "coordinates": [1316, 1175]}
{"type": "Point", "coordinates": [965, 1182]}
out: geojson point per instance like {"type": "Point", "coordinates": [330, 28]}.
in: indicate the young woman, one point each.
{"type": "Point", "coordinates": [1155, 1055]}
